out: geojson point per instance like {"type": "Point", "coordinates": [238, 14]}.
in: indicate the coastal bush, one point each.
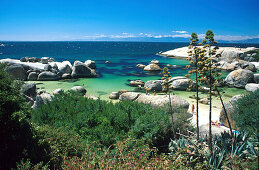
{"type": "Point", "coordinates": [255, 56]}
{"type": "Point", "coordinates": [226, 151]}
{"type": "Point", "coordinates": [246, 113]}
{"type": "Point", "coordinates": [17, 135]}
{"type": "Point", "coordinates": [105, 122]}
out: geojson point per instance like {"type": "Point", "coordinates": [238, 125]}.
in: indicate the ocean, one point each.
{"type": "Point", "coordinates": [114, 76]}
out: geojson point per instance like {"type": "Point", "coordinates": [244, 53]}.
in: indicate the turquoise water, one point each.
{"type": "Point", "coordinates": [114, 76]}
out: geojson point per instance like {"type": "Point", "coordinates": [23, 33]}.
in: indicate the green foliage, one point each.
{"type": "Point", "coordinates": [165, 79]}
{"type": "Point", "coordinates": [225, 150]}
{"type": "Point", "coordinates": [105, 122]}
{"type": "Point", "coordinates": [255, 56]}
{"type": "Point", "coordinates": [16, 133]}
{"type": "Point", "coordinates": [246, 113]}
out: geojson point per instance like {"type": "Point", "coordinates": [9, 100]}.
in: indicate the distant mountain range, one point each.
{"type": "Point", "coordinates": [169, 39]}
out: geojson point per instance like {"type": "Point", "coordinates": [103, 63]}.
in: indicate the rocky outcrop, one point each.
{"type": "Point", "coordinates": [65, 68]}
{"type": "Point", "coordinates": [155, 101]}
{"type": "Point", "coordinates": [163, 100]}
{"type": "Point", "coordinates": [239, 78]}
{"type": "Point", "coordinates": [252, 87]}
{"type": "Point", "coordinates": [129, 96]}
{"type": "Point", "coordinates": [66, 76]}
{"type": "Point", "coordinates": [153, 85]}
{"type": "Point", "coordinates": [180, 83]}
{"type": "Point", "coordinates": [230, 110]}
{"type": "Point", "coordinates": [29, 90]}
{"type": "Point", "coordinates": [241, 64]}
{"type": "Point", "coordinates": [33, 76]}
{"type": "Point", "coordinates": [57, 91]}
{"type": "Point", "coordinates": [38, 102]}
{"type": "Point", "coordinates": [79, 89]}
{"type": "Point", "coordinates": [256, 78]}
{"type": "Point", "coordinates": [154, 61]}
{"type": "Point", "coordinates": [17, 71]}
{"type": "Point", "coordinates": [47, 76]}
{"type": "Point", "coordinates": [20, 69]}
{"type": "Point", "coordinates": [46, 97]}
{"type": "Point", "coordinates": [91, 64]}
{"type": "Point", "coordinates": [114, 95]}
{"type": "Point", "coordinates": [152, 67]}
{"type": "Point", "coordinates": [229, 55]}
{"type": "Point", "coordinates": [80, 70]}
{"type": "Point", "coordinates": [140, 65]}
{"type": "Point", "coordinates": [136, 83]}
{"type": "Point", "coordinates": [45, 60]}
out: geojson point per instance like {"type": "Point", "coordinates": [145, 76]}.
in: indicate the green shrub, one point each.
{"type": "Point", "coordinates": [105, 122]}
{"type": "Point", "coordinates": [16, 133]}
{"type": "Point", "coordinates": [246, 113]}
{"type": "Point", "coordinates": [255, 56]}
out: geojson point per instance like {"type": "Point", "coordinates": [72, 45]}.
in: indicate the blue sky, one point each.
{"type": "Point", "coordinates": [60, 20]}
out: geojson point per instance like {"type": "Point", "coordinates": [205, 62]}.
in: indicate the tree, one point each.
{"type": "Point", "coordinates": [195, 54]}
{"type": "Point", "coordinates": [165, 83]}
{"type": "Point", "coordinates": [210, 74]}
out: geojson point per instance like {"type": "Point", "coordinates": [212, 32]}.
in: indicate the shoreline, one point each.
{"type": "Point", "coordinates": [50, 86]}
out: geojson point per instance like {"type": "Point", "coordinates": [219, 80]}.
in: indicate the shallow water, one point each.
{"type": "Point", "coordinates": [114, 76]}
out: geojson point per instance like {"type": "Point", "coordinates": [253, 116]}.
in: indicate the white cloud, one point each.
{"type": "Point", "coordinates": [181, 35]}
{"type": "Point", "coordinates": [180, 32]}
{"type": "Point", "coordinates": [234, 37]}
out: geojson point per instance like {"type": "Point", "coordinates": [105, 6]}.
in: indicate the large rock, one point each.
{"type": "Point", "coordinates": [38, 102]}
{"type": "Point", "coordinates": [57, 91]}
{"type": "Point", "coordinates": [45, 60]}
{"type": "Point", "coordinates": [33, 76]}
{"type": "Point", "coordinates": [229, 55]}
{"type": "Point", "coordinates": [154, 61]}
{"type": "Point", "coordinates": [181, 84]}
{"type": "Point", "coordinates": [223, 65]}
{"type": "Point", "coordinates": [29, 90]}
{"type": "Point", "coordinates": [140, 65]}
{"type": "Point", "coordinates": [91, 64]}
{"type": "Point", "coordinates": [66, 76]}
{"type": "Point", "coordinates": [129, 96]}
{"type": "Point", "coordinates": [47, 76]}
{"type": "Point", "coordinates": [252, 87]}
{"type": "Point", "coordinates": [136, 83]}
{"type": "Point", "coordinates": [65, 67]}
{"type": "Point", "coordinates": [163, 100]}
{"type": "Point", "coordinates": [245, 65]}
{"type": "Point", "coordinates": [239, 78]}
{"type": "Point", "coordinates": [152, 67]}
{"type": "Point", "coordinates": [153, 85]}
{"type": "Point", "coordinates": [114, 95]}
{"type": "Point", "coordinates": [46, 97]}
{"type": "Point", "coordinates": [47, 67]}
{"type": "Point", "coordinates": [230, 110]}
{"type": "Point", "coordinates": [79, 89]}
{"type": "Point", "coordinates": [17, 71]}
{"type": "Point", "coordinates": [256, 78]}
{"type": "Point", "coordinates": [80, 70]}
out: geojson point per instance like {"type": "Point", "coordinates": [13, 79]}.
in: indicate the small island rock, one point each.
{"type": "Point", "coordinates": [79, 89]}
{"type": "Point", "coordinates": [239, 78]}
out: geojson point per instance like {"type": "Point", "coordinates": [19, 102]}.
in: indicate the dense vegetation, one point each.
{"type": "Point", "coordinates": [73, 132]}
{"type": "Point", "coordinates": [255, 56]}
{"type": "Point", "coordinates": [247, 113]}
{"type": "Point", "coordinates": [17, 141]}
{"type": "Point", "coordinates": [105, 122]}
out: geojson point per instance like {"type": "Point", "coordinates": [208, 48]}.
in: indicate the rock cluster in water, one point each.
{"type": "Point", "coordinates": [46, 69]}
{"type": "Point", "coordinates": [36, 99]}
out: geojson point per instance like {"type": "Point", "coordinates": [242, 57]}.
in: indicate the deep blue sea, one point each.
{"type": "Point", "coordinates": [123, 57]}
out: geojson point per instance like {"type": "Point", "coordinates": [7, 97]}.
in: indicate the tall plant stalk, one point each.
{"type": "Point", "coordinates": [225, 111]}
{"type": "Point", "coordinates": [194, 54]}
